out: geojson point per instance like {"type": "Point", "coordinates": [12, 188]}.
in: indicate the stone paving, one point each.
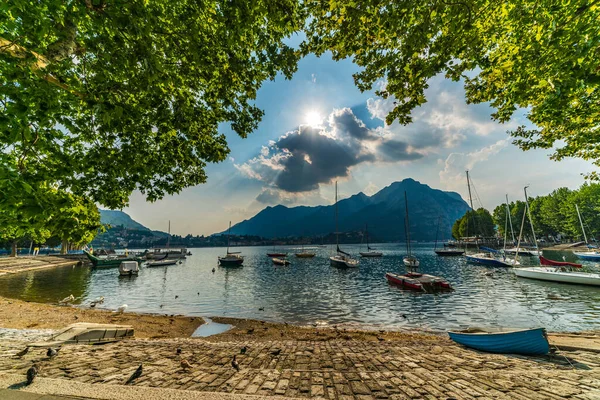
{"type": "Point", "coordinates": [334, 369]}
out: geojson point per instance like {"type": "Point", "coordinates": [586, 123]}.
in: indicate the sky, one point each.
{"type": "Point", "coordinates": [319, 128]}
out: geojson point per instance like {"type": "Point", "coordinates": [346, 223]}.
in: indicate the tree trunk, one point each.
{"type": "Point", "coordinates": [13, 250]}
{"type": "Point", "coordinates": [64, 247]}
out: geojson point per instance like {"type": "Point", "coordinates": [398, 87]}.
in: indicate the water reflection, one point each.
{"type": "Point", "coordinates": [310, 290]}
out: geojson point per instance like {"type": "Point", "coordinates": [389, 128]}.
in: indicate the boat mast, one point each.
{"type": "Point", "coordinates": [407, 226]}
{"type": "Point", "coordinates": [581, 222]}
{"type": "Point", "coordinates": [512, 232]}
{"type": "Point", "coordinates": [472, 212]}
{"type": "Point", "coordinates": [520, 235]}
{"type": "Point", "coordinates": [367, 234]}
{"type": "Point", "coordinates": [169, 237]}
{"type": "Point", "coordinates": [530, 221]}
{"type": "Point", "coordinates": [337, 240]}
{"type": "Point", "coordinates": [437, 232]}
{"type": "Point", "coordinates": [228, 234]}
{"type": "Point", "coordinates": [506, 227]}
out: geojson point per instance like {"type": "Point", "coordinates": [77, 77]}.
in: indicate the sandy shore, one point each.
{"type": "Point", "coordinates": [18, 314]}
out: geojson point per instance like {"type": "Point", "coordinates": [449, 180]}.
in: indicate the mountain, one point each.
{"type": "Point", "coordinates": [119, 218]}
{"type": "Point", "coordinates": [384, 212]}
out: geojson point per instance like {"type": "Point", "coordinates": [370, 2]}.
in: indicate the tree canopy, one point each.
{"type": "Point", "coordinates": [478, 223]}
{"type": "Point", "coordinates": [537, 55]}
{"type": "Point", "coordinates": [105, 97]}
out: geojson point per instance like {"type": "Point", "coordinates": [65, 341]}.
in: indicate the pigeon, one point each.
{"type": "Point", "coordinates": [185, 365]}
{"type": "Point", "coordinates": [22, 352]}
{"type": "Point", "coordinates": [243, 350]}
{"type": "Point", "coordinates": [67, 300]}
{"type": "Point", "coordinates": [261, 309]}
{"type": "Point", "coordinates": [99, 300]}
{"type": "Point", "coordinates": [122, 309]}
{"type": "Point", "coordinates": [178, 350]}
{"type": "Point", "coordinates": [198, 293]}
{"type": "Point", "coordinates": [176, 296]}
{"type": "Point", "coordinates": [135, 375]}
{"type": "Point", "coordinates": [276, 352]}
{"type": "Point", "coordinates": [32, 373]}
{"type": "Point", "coordinates": [213, 270]}
{"type": "Point", "coordinates": [51, 353]}
{"type": "Point", "coordinates": [161, 306]}
{"type": "Point", "coordinates": [235, 364]}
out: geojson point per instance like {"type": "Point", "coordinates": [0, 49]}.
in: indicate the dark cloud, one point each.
{"type": "Point", "coordinates": [303, 159]}
{"type": "Point", "coordinates": [269, 196]}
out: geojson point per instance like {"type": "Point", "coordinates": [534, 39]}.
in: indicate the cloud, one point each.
{"type": "Point", "coordinates": [301, 160]}
{"type": "Point", "coordinates": [271, 196]}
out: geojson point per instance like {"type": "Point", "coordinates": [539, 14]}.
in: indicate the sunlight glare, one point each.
{"type": "Point", "coordinates": [313, 118]}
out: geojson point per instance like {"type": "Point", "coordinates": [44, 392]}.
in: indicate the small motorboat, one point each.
{"type": "Point", "coordinates": [129, 268]}
{"type": "Point", "coordinates": [161, 263]}
{"type": "Point", "coordinates": [449, 252]}
{"type": "Point", "coordinates": [276, 254]}
{"type": "Point", "coordinates": [526, 341]}
{"type": "Point", "coordinates": [418, 281]}
{"type": "Point", "coordinates": [280, 261]}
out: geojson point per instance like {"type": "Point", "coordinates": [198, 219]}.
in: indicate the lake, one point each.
{"type": "Point", "coordinates": [311, 291]}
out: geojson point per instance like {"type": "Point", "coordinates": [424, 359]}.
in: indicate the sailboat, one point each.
{"type": "Point", "coordinates": [556, 271]}
{"type": "Point", "coordinates": [522, 251]}
{"type": "Point", "coordinates": [305, 254]}
{"type": "Point", "coordinates": [231, 259]}
{"type": "Point", "coordinates": [370, 251]}
{"type": "Point", "coordinates": [168, 253]}
{"type": "Point", "coordinates": [591, 255]}
{"type": "Point", "coordinates": [412, 279]}
{"type": "Point", "coordinates": [341, 259]}
{"type": "Point", "coordinates": [445, 251]}
{"type": "Point", "coordinates": [410, 261]}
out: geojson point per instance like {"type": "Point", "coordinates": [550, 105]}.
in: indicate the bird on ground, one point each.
{"type": "Point", "coordinates": [276, 352]}
{"type": "Point", "coordinates": [251, 330]}
{"type": "Point", "coordinates": [176, 296]}
{"type": "Point", "coordinates": [67, 300]}
{"type": "Point", "coordinates": [22, 352]}
{"type": "Point", "coordinates": [235, 364]}
{"type": "Point", "coordinates": [198, 293]}
{"type": "Point", "coordinates": [179, 350]}
{"type": "Point", "coordinates": [51, 353]}
{"type": "Point", "coordinates": [380, 338]}
{"type": "Point", "coordinates": [243, 350]}
{"type": "Point", "coordinates": [122, 309]}
{"type": "Point", "coordinates": [261, 309]}
{"type": "Point", "coordinates": [135, 375]}
{"type": "Point", "coordinates": [32, 373]}
{"type": "Point", "coordinates": [97, 301]}
{"type": "Point", "coordinates": [213, 270]}
{"type": "Point", "coordinates": [161, 306]}
{"type": "Point", "coordinates": [185, 365]}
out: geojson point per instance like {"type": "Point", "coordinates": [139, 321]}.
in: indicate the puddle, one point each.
{"type": "Point", "coordinates": [210, 328]}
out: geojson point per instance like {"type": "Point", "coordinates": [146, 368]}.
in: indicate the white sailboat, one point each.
{"type": "Point", "coordinates": [522, 251]}
{"type": "Point", "coordinates": [370, 251]}
{"type": "Point", "coordinates": [410, 261]}
{"type": "Point", "coordinates": [591, 255]}
{"type": "Point", "coordinates": [341, 259]}
{"type": "Point", "coordinates": [560, 271]}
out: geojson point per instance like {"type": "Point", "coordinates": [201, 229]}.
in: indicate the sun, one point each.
{"type": "Point", "coordinates": [313, 118]}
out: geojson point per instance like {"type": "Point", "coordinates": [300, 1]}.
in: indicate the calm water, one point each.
{"type": "Point", "coordinates": [310, 291]}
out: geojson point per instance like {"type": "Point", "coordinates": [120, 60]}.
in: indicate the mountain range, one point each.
{"type": "Point", "coordinates": [384, 212]}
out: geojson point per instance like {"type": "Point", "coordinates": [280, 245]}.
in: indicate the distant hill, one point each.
{"type": "Point", "coordinates": [383, 211]}
{"type": "Point", "coordinates": [119, 218]}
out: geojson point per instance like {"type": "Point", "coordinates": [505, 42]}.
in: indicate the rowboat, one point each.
{"type": "Point", "coordinates": [526, 341]}
{"type": "Point", "coordinates": [161, 263]}
{"type": "Point", "coordinates": [280, 261]}
{"type": "Point", "coordinates": [109, 261]}
{"type": "Point", "coordinates": [419, 282]}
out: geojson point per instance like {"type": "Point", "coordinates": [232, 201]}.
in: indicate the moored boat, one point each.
{"type": "Point", "coordinates": [129, 268]}
{"type": "Point", "coordinates": [161, 263]}
{"type": "Point", "coordinates": [559, 274]}
{"type": "Point", "coordinates": [548, 262]}
{"type": "Point", "coordinates": [523, 252]}
{"type": "Point", "coordinates": [449, 252]}
{"type": "Point", "coordinates": [276, 254]}
{"type": "Point", "coordinates": [341, 259]}
{"type": "Point", "coordinates": [486, 258]}
{"type": "Point", "coordinates": [280, 261]}
{"type": "Point", "coordinates": [525, 341]}
{"type": "Point", "coordinates": [419, 282]}
{"type": "Point", "coordinates": [591, 255]}
{"type": "Point", "coordinates": [231, 259]}
{"type": "Point", "coordinates": [109, 261]}
{"type": "Point", "coordinates": [371, 252]}
{"type": "Point", "coordinates": [305, 254]}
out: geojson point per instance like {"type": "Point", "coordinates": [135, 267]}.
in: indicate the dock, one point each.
{"type": "Point", "coordinates": [13, 265]}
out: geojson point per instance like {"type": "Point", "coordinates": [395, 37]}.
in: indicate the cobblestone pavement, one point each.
{"type": "Point", "coordinates": [333, 369]}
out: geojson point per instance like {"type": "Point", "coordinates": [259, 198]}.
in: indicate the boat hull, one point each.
{"type": "Point", "coordinates": [305, 255]}
{"type": "Point", "coordinates": [417, 281]}
{"type": "Point", "coordinates": [109, 263]}
{"type": "Point", "coordinates": [527, 342]}
{"type": "Point", "coordinates": [449, 253]}
{"type": "Point", "coordinates": [279, 261]}
{"type": "Point", "coordinates": [592, 256]}
{"type": "Point", "coordinates": [164, 263]}
{"type": "Point", "coordinates": [230, 262]}
{"type": "Point", "coordinates": [492, 262]}
{"type": "Point", "coordinates": [341, 263]}
{"type": "Point", "coordinates": [276, 254]}
{"type": "Point", "coordinates": [553, 275]}
{"type": "Point", "coordinates": [371, 254]}
{"type": "Point", "coordinates": [547, 261]}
